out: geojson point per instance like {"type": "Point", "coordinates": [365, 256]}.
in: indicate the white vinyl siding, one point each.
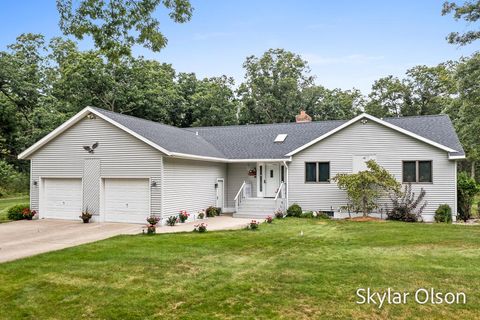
{"type": "Point", "coordinates": [237, 174]}
{"type": "Point", "coordinates": [190, 185]}
{"type": "Point", "coordinates": [390, 149]}
{"type": "Point", "coordinates": [120, 154]}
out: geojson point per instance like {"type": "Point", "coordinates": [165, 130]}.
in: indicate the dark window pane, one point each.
{"type": "Point", "coordinates": [261, 178]}
{"type": "Point", "coordinates": [282, 174]}
{"type": "Point", "coordinates": [271, 173]}
{"type": "Point", "coordinates": [311, 172]}
{"type": "Point", "coordinates": [425, 171]}
{"type": "Point", "coordinates": [323, 171]}
{"type": "Point", "coordinates": [409, 171]}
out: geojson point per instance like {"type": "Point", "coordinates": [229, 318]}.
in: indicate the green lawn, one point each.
{"type": "Point", "coordinates": [6, 203]}
{"type": "Point", "coordinates": [273, 273]}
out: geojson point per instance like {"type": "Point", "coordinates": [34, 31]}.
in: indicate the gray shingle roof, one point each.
{"type": "Point", "coordinates": [257, 141]}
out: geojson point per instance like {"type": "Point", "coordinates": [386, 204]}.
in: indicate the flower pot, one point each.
{"type": "Point", "coordinates": [86, 220]}
{"type": "Point", "coordinates": [151, 229]}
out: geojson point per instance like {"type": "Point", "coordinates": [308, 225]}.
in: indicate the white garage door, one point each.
{"type": "Point", "coordinates": [62, 198]}
{"type": "Point", "coordinates": [127, 200]}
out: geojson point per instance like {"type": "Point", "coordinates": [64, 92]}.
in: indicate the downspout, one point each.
{"type": "Point", "coordinates": [286, 182]}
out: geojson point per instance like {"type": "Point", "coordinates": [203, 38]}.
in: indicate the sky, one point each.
{"type": "Point", "coordinates": [348, 44]}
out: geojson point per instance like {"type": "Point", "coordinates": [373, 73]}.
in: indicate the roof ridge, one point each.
{"type": "Point", "coordinates": [419, 116]}
{"type": "Point", "coordinates": [263, 124]}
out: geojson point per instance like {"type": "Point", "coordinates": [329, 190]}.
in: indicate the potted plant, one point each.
{"type": "Point", "coordinates": [86, 216]}
{"type": "Point", "coordinates": [152, 224]}
{"type": "Point", "coordinates": [28, 214]}
{"type": "Point", "coordinates": [253, 225]}
{"type": "Point", "coordinates": [202, 227]}
{"type": "Point", "coordinates": [201, 214]}
{"type": "Point", "coordinates": [183, 216]}
{"type": "Point", "coordinates": [171, 221]}
{"type": "Point", "coordinates": [269, 219]}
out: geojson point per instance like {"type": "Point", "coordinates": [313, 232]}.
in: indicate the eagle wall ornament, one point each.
{"type": "Point", "coordinates": [92, 148]}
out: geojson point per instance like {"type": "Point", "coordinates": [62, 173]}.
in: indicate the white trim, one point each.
{"type": "Point", "coordinates": [224, 160]}
{"type": "Point", "coordinates": [77, 118]}
{"type": "Point", "coordinates": [379, 121]}
{"type": "Point", "coordinates": [456, 157]}
{"type": "Point", "coordinates": [455, 203]}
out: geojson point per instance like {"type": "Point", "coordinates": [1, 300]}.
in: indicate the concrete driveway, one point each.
{"type": "Point", "coordinates": [20, 239]}
{"type": "Point", "coordinates": [24, 238]}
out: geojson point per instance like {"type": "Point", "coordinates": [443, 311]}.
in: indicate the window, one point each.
{"type": "Point", "coordinates": [281, 137]}
{"type": "Point", "coordinates": [282, 173]}
{"type": "Point", "coordinates": [417, 171]}
{"type": "Point", "coordinates": [317, 172]}
{"type": "Point", "coordinates": [311, 172]}
{"type": "Point", "coordinates": [261, 179]}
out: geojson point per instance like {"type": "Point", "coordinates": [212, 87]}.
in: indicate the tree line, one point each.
{"type": "Point", "coordinates": [44, 82]}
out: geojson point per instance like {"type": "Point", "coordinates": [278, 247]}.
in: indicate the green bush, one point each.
{"type": "Point", "coordinates": [307, 214]}
{"type": "Point", "coordinates": [294, 210]}
{"type": "Point", "coordinates": [15, 212]}
{"type": "Point", "coordinates": [212, 211]}
{"type": "Point", "coordinates": [11, 181]}
{"type": "Point", "coordinates": [323, 215]}
{"type": "Point", "coordinates": [467, 189]}
{"type": "Point", "coordinates": [443, 213]}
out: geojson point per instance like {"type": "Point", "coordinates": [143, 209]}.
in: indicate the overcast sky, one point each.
{"type": "Point", "coordinates": [347, 43]}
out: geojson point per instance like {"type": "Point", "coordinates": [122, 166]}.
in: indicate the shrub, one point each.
{"type": "Point", "coordinates": [171, 221]}
{"type": "Point", "coordinates": [219, 211]}
{"type": "Point", "coordinates": [322, 215]}
{"type": "Point", "coordinates": [253, 225]}
{"type": "Point", "coordinates": [307, 214]}
{"type": "Point", "coordinates": [405, 206]}
{"type": "Point", "coordinates": [467, 188]}
{"type": "Point", "coordinates": [279, 214]}
{"type": "Point", "coordinates": [294, 210]}
{"type": "Point", "coordinates": [212, 211]}
{"type": "Point", "coordinates": [16, 212]}
{"type": "Point", "coordinates": [269, 219]}
{"type": "Point", "coordinates": [202, 227]}
{"type": "Point", "coordinates": [28, 214]}
{"type": "Point", "coordinates": [183, 216]}
{"type": "Point", "coordinates": [443, 213]}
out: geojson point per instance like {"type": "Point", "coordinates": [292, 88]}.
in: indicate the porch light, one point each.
{"type": "Point", "coordinates": [154, 183]}
{"type": "Point", "coordinates": [280, 138]}
{"type": "Point", "coordinates": [35, 183]}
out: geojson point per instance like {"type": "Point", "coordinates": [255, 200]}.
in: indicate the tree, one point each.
{"type": "Point", "coordinates": [273, 87]}
{"type": "Point", "coordinates": [467, 122]}
{"type": "Point", "coordinates": [366, 187]}
{"type": "Point", "coordinates": [324, 104]}
{"type": "Point", "coordinates": [467, 189]}
{"type": "Point", "coordinates": [117, 25]}
{"type": "Point", "coordinates": [389, 96]}
{"type": "Point", "coordinates": [468, 11]}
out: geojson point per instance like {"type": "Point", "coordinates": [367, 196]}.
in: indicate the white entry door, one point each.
{"type": "Point", "coordinates": [272, 179]}
{"type": "Point", "coordinates": [62, 198]}
{"type": "Point", "coordinates": [220, 193]}
{"type": "Point", "coordinates": [126, 200]}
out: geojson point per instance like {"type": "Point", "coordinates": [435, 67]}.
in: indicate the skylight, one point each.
{"type": "Point", "coordinates": [281, 137]}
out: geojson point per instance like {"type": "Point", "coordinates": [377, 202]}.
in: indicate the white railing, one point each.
{"type": "Point", "coordinates": [240, 196]}
{"type": "Point", "coordinates": [280, 197]}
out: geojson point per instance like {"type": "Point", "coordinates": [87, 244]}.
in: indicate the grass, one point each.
{"type": "Point", "coordinates": [272, 273]}
{"type": "Point", "coordinates": [6, 203]}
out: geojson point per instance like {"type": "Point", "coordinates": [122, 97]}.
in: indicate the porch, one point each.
{"type": "Point", "coordinates": [257, 189]}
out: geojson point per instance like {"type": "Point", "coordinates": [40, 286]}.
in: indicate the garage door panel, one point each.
{"type": "Point", "coordinates": [62, 198]}
{"type": "Point", "coordinates": [127, 200]}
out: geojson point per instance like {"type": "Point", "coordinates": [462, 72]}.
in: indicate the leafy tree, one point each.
{"type": "Point", "coordinates": [468, 11]}
{"type": "Point", "coordinates": [467, 189]}
{"type": "Point", "coordinates": [324, 104]}
{"type": "Point", "coordinates": [273, 87]}
{"type": "Point", "coordinates": [117, 25]}
{"type": "Point", "coordinates": [388, 97]}
{"type": "Point", "coordinates": [366, 187]}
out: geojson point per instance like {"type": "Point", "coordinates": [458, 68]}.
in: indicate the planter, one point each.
{"type": "Point", "coordinates": [84, 220]}
{"type": "Point", "coordinates": [151, 229]}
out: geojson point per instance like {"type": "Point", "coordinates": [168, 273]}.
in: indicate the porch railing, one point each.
{"type": "Point", "coordinates": [280, 197]}
{"type": "Point", "coordinates": [240, 196]}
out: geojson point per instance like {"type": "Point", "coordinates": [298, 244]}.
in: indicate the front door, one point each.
{"type": "Point", "coordinates": [272, 179]}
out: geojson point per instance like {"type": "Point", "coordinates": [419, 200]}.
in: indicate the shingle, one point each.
{"type": "Point", "coordinates": [257, 141]}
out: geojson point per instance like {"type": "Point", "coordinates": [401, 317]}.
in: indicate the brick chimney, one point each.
{"type": "Point", "coordinates": [303, 117]}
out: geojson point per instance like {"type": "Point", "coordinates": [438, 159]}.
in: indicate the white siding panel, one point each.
{"type": "Point", "coordinates": [390, 149]}
{"type": "Point", "coordinates": [237, 174]}
{"type": "Point", "coordinates": [120, 155]}
{"type": "Point", "coordinates": [190, 185]}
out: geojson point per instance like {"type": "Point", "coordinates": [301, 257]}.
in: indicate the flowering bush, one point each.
{"type": "Point", "coordinates": [279, 214]}
{"type": "Point", "coordinates": [202, 227]}
{"type": "Point", "coordinates": [201, 214]}
{"type": "Point", "coordinates": [269, 219]}
{"type": "Point", "coordinates": [183, 216]}
{"type": "Point", "coordinates": [253, 225]}
{"type": "Point", "coordinates": [15, 212]}
{"type": "Point", "coordinates": [28, 214]}
{"type": "Point", "coordinates": [153, 219]}
{"type": "Point", "coordinates": [171, 221]}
